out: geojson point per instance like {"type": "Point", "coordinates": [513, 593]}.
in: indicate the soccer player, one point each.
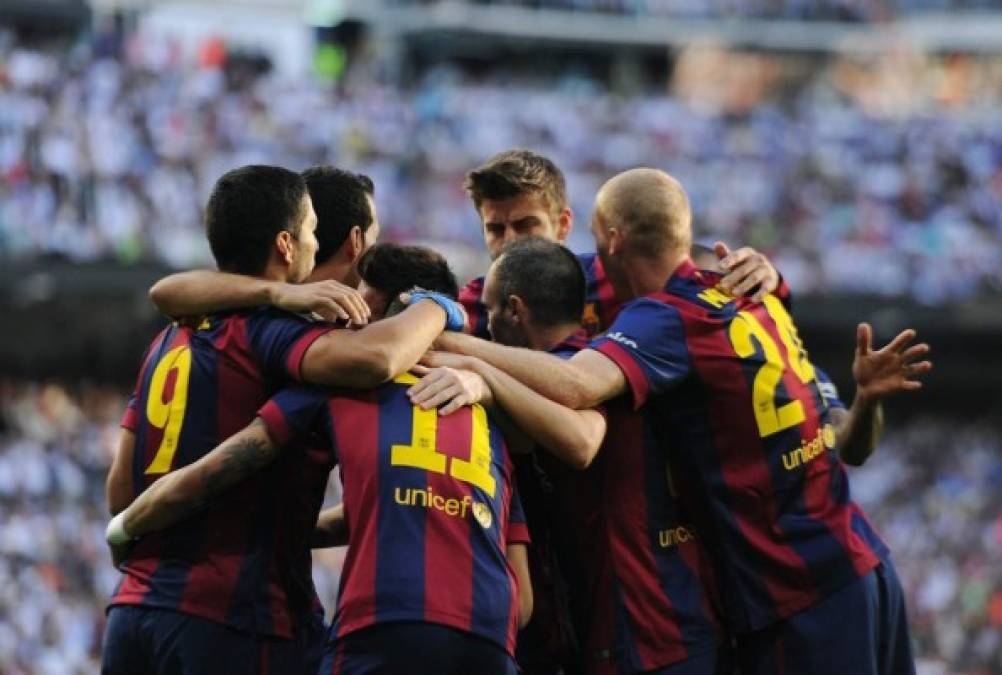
{"type": "Point", "coordinates": [216, 593]}
{"type": "Point", "coordinates": [418, 522]}
{"type": "Point", "coordinates": [751, 444]}
{"type": "Point", "coordinates": [640, 580]}
{"type": "Point", "coordinates": [347, 226]}
{"type": "Point", "coordinates": [519, 193]}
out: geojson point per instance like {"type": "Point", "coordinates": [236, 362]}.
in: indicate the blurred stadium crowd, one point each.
{"type": "Point", "coordinates": [934, 491]}
{"type": "Point", "coordinates": [112, 159]}
{"type": "Point", "coordinates": [830, 10]}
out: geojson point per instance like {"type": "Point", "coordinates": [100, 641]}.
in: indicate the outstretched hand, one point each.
{"type": "Point", "coordinates": [745, 270]}
{"type": "Point", "coordinates": [890, 369]}
{"type": "Point", "coordinates": [330, 299]}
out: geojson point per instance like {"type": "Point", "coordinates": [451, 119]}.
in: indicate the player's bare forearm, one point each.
{"type": "Point", "coordinates": [118, 488]}
{"type": "Point", "coordinates": [203, 291]}
{"type": "Point", "coordinates": [182, 492]}
{"type": "Point", "coordinates": [858, 430]}
{"type": "Point", "coordinates": [518, 558]}
{"type": "Point", "coordinates": [331, 528]}
{"type": "Point", "coordinates": [377, 353]}
{"type": "Point", "coordinates": [573, 436]}
{"type": "Point", "coordinates": [571, 383]}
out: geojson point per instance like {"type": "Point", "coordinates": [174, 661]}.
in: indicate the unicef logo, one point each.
{"type": "Point", "coordinates": [482, 513]}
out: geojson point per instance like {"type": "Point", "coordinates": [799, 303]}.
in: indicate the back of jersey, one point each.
{"type": "Point", "coordinates": [757, 451]}
{"type": "Point", "coordinates": [430, 507]}
{"type": "Point", "coordinates": [229, 563]}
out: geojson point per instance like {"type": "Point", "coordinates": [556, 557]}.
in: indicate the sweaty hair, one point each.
{"type": "Point", "coordinates": [394, 269]}
{"type": "Point", "coordinates": [548, 278]}
{"type": "Point", "coordinates": [340, 199]}
{"type": "Point", "coordinates": [514, 173]}
{"type": "Point", "coordinates": [248, 207]}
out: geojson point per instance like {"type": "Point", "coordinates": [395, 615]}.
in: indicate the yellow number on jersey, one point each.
{"type": "Point", "coordinates": [422, 452]}
{"type": "Point", "coordinates": [168, 415]}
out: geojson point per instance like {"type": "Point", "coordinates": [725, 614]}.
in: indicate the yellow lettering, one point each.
{"type": "Point", "coordinates": [716, 297]}
{"type": "Point", "coordinates": [452, 507]}
{"type": "Point", "coordinates": [477, 470]}
{"type": "Point", "coordinates": [168, 415]}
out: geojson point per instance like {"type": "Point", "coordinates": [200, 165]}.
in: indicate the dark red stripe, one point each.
{"type": "Point", "coordinates": [294, 362]}
{"type": "Point", "coordinates": [608, 306]}
{"type": "Point", "coordinates": [275, 422]}
{"type": "Point", "coordinates": [356, 424]}
{"type": "Point", "coordinates": [634, 374]}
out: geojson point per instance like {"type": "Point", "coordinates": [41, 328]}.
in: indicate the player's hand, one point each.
{"type": "Point", "coordinates": [447, 389]}
{"type": "Point", "coordinates": [888, 370]}
{"type": "Point", "coordinates": [746, 270]}
{"type": "Point", "coordinates": [330, 299]}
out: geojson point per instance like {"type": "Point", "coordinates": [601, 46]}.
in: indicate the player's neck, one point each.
{"type": "Point", "coordinates": [646, 275]}
{"type": "Point", "coordinates": [333, 269]}
{"type": "Point", "coordinates": [546, 338]}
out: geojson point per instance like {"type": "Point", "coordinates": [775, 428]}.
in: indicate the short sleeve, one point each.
{"type": "Point", "coordinates": [518, 530]}
{"type": "Point", "coordinates": [647, 342]}
{"type": "Point", "coordinates": [130, 419]}
{"type": "Point", "coordinates": [829, 392]}
{"type": "Point", "coordinates": [476, 313]}
{"type": "Point", "coordinates": [297, 413]}
{"type": "Point", "coordinates": [281, 339]}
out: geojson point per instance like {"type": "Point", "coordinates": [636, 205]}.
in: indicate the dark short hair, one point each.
{"type": "Point", "coordinates": [394, 269]}
{"type": "Point", "coordinates": [340, 199]}
{"type": "Point", "coordinates": [548, 278]}
{"type": "Point", "coordinates": [518, 172]}
{"type": "Point", "coordinates": [248, 207]}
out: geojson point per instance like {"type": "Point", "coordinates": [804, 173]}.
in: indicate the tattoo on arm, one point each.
{"type": "Point", "coordinates": [241, 458]}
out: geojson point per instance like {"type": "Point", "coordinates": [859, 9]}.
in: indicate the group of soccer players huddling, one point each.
{"type": "Point", "coordinates": [619, 462]}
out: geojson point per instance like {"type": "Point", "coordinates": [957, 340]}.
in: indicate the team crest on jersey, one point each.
{"type": "Point", "coordinates": [482, 513]}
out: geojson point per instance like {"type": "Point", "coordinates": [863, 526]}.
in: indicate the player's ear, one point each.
{"type": "Point", "coordinates": [565, 223]}
{"type": "Point", "coordinates": [355, 242]}
{"type": "Point", "coordinates": [517, 308]}
{"type": "Point", "coordinates": [286, 246]}
{"type": "Point", "coordinates": [614, 239]}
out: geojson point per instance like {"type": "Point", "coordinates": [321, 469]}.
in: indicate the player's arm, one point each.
{"type": "Point", "coordinates": [518, 558]}
{"type": "Point", "coordinates": [878, 374]}
{"type": "Point", "coordinates": [118, 487]}
{"type": "Point", "coordinates": [583, 381]}
{"type": "Point", "coordinates": [573, 436]}
{"type": "Point", "coordinates": [199, 292]}
{"type": "Point", "coordinates": [180, 493]}
{"type": "Point", "coordinates": [331, 528]}
{"type": "Point", "coordinates": [379, 352]}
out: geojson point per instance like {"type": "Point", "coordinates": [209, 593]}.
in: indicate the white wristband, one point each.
{"type": "Point", "coordinates": [116, 534]}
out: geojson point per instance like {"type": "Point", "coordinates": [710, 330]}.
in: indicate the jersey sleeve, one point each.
{"type": "Point", "coordinates": [280, 340]}
{"type": "Point", "coordinates": [518, 530]}
{"type": "Point", "coordinates": [829, 392]}
{"type": "Point", "coordinates": [476, 313]}
{"type": "Point", "coordinates": [130, 419]}
{"type": "Point", "coordinates": [647, 342]}
{"type": "Point", "coordinates": [298, 413]}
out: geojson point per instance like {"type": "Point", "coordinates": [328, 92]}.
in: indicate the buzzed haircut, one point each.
{"type": "Point", "coordinates": [651, 207]}
{"type": "Point", "coordinates": [518, 172]}
{"type": "Point", "coordinates": [341, 200]}
{"type": "Point", "coordinates": [248, 207]}
{"type": "Point", "coordinates": [548, 278]}
{"type": "Point", "coordinates": [394, 269]}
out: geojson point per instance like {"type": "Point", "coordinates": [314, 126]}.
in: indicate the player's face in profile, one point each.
{"type": "Point", "coordinates": [306, 244]}
{"type": "Point", "coordinates": [506, 220]}
{"type": "Point", "coordinates": [502, 324]}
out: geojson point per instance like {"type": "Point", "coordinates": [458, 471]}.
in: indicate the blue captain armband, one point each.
{"type": "Point", "coordinates": [455, 316]}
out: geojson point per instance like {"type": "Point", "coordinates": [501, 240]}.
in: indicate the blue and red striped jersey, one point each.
{"type": "Point", "coordinates": [860, 522]}
{"type": "Point", "coordinates": [600, 309]}
{"type": "Point", "coordinates": [430, 507]}
{"type": "Point", "coordinates": [738, 410]}
{"type": "Point", "coordinates": [245, 560]}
